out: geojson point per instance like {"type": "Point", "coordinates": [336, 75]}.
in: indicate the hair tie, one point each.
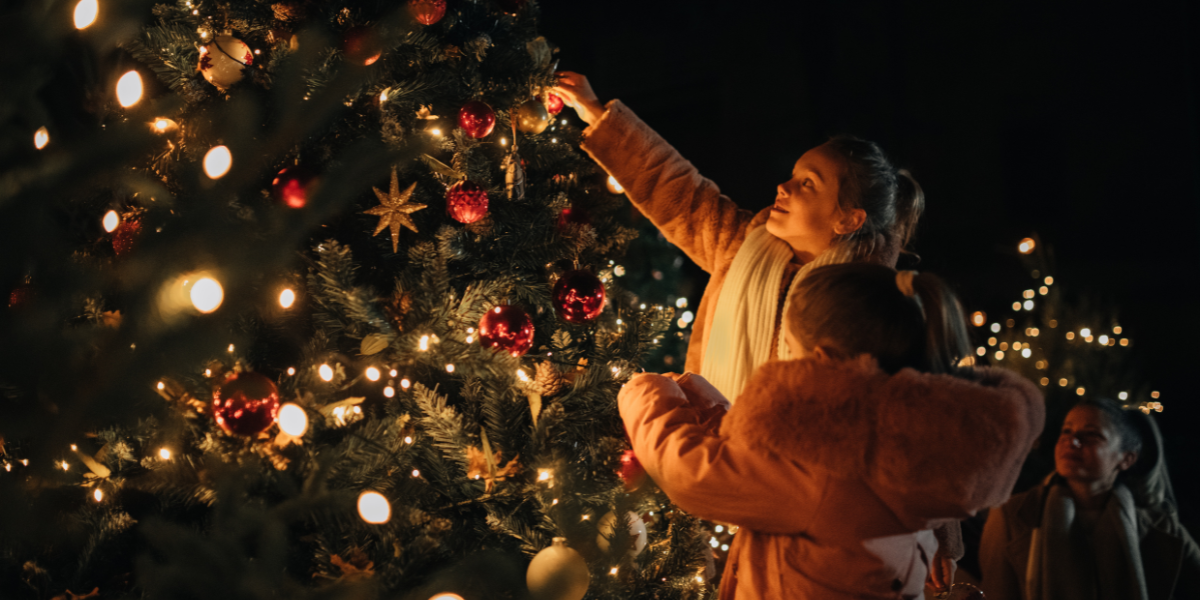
{"type": "Point", "coordinates": [904, 281]}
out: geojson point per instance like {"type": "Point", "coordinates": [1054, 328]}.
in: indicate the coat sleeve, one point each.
{"type": "Point", "coordinates": [1000, 582]}
{"type": "Point", "coordinates": [709, 475]}
{"type": "Point", "coordinates": [1188, 585]}
{"type": "Point", "coordinates": [688, 209]}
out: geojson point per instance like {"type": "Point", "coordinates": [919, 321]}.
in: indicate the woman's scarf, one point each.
{"type": "Point", "coordinates": [1068, 563]}
{"type": "Point", "coordinates": [748, 308]}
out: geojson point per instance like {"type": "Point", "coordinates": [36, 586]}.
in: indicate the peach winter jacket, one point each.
{"type": "Point", "coordinates": [835, 470]}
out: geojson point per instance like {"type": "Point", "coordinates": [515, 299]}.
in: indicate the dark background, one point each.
{"type": "Point", "coordinates": [1076, 123]}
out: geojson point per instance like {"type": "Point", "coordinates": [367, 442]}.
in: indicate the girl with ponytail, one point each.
{"type": "Point", "coordinates": [840, 462]}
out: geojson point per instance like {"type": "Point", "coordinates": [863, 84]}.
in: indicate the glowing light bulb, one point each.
{"type": "Point", "coordinates": [1029, 305]}
{"type": "Point", "coordinates": [1026, 352]}
{"type": "Point", "coordinates": [1043, 290]}
{"type": "Point", "coordinates": [1103, 339]}
{"type": "Point", "coordinates": [287, 298]}
{"type": "Point", "coordinates": [129, 89]}
{"type": "Point", "coordinates": [1026, 246]}
{"type": "Point", "coordinates": [1080, 391]}
{"type": "Point", "coordinates": [163, 125]}
{"type": "Point", "coordinates": [687, 316]}
{"type": "Point", "coordinates": [612, 571]}
{"type": "Point", "coordinates": [544, 475]}
{"type": "Point", "coordinates": [85, 13]}
{"type": "Point", "coordinates": [424, 343]}
{"type": "Point", "coordinates": [374, 508]}
{"type": "Point", "coordinates": [291, 370]}
{"type": "Point", "coordinates": [404, 383]}
{"type": "Point", "coordinates": [1123, 395]}
{"type": "Point", "coordinates": [1085, 332]}
{"type": "Point", "coordinates": [981, 351]}
{"type": "Point", "coordinates": [383, 96]}
{"type": "Point", "coordinates": [98, 493]}
{"type": "Point", "coordinates": [110, 221]}
{"type": "Point", "coordinates": [230, 348]}
{"type": "Point", "coordinates": [1045, 381]}
{"type": "Point", "coordinates": [389, 392]}
{"type": "Point", "coordinates": [41, 137]}
{"type": "Point", "coordinates": [416, 473]}
{"type": "Point", "coordinates": [293, 420]}
{"type": "Point", "coordinates": [447, 596]}
{"type": "Point", "coordinates": [995, 328]}
{"type": "Point", "coordinates": [1155, 395]}
{"type": "Point", "coordinates": [217, 162]}
{"type": "Point", "coordinates": [373, 374]}
{"type": "Point", "coordinates": [613, 186]}
{"type": "Point", "coordinates": [207, 294]}
{"type": "Point", "coordinates": [1116, 329]}
{"type": "Point", "coordinates": [326, 372]}
{"type": "Point", "coordinates": [164, 453]}
{"type": "Point", "coordinates": [978, 318]}
{"type": "Point", "coordinates": [161, 385]}
{"type": "Point", "coordinates": [436, 131]}
{"type": "Point", "coordinates": [521, 375]}
{"type": "Point", "coordinates": [408, 439]}
{"type": "Point", "coordinates": [450, 368]}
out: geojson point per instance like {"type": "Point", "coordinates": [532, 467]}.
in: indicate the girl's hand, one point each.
{"type": "Point", "coordinates": [941, 573]}
{"type": "Point", "coordinates": [577, 93]}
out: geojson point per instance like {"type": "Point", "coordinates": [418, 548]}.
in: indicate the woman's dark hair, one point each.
{"type": "Point", "coordinates": [891, 198]}
{"type": "Point", "coordinates": [859, 308]}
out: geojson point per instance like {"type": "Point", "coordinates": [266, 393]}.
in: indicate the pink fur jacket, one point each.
{"type": "Point", "coordinates": [835, 470]}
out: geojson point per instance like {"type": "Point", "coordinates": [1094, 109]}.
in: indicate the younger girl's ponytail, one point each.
{"type": "Point", "coordinates": [903, 319]}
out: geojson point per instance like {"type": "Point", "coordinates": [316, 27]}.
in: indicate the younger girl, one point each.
{"type": "Point", "coordinates": [837, 464]}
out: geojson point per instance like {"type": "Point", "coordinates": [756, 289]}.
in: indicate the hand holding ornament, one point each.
{"type": "Point", "coordinates": [576, 92]}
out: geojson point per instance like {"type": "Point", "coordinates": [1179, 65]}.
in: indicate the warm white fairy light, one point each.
{"type": "Point", "coordinates": [129, 89]}
{"type": "Point", "coordinates": [995, 328]}
{"type": "Point", "coordinates": [287, 298]}
{"type": "Point", "coordinates": [230, 349]}
{"type": "Point", "coordinates": [85, 13]}
{"type": "Point", "coordinates": [1103, 339]}
{"type": "Point", "coordinates": [1043, 290]}
{"type": "Point", "coordinates": [41, 137]}
{"type": "Point", "coordinates": [1016, 306]}
{"type": "Point", "coordinates": [389, 392]}
{"type": "Point", "coordinates": [981, 351]}
{"type": "Point", "coordinates": [449, 367]}
{"type": "Point", "coordinates": [65, 466]}
{"type": "Point", "coordinates": [372, 373]}
{"type": "Point", "coordinates": [374, 508]}
{"type": "Point", "coordinates": [436, 131]}
{"type": "Point", "coordinates": [1026, 246]}
{"type": "Point", "coordinates": [544, 475]}
{"type": "Point", "coordinates": [1026, 353]}
{"type": "Point", "coordinates": [1029, 305]}
{"type": "Point", "coordinates": [447, 596]}
{"type": "Point", "coordinates": [408, 439]}
{"type": "Point", "coordinates": [423, 345]}
{"type": "Point", "coordinates": [293, 420]}
{"type": "Point", "coordinates": [1123, 395]}
{"type": "Point", "coordinates": [999, 355]}
{"type": "Point", "coordinates": [613, 186]}
{"type": "Point", "coordinates": [1070, 335]}
{"type": "Point", "coordinates": [207, 294]}
{"type": "Point", "coordinates": [404, 384]}
{"type": "Point", "coordinates": [325, 372]}
{"type": "Point", "coordinates": [416, 472]}
{"type": "Point", "coordinates": [522, 376]}
{"type": "Point", "coordinates": [613, 571]}
{"type": "Point", "coordinates": [164, 453]}
{"type": "Point", "coordinates": [1045, 381]}
{"type": "Point", "coordinates": [1079, 391]}
{"type": "Point", "coordinates": [1116, 329]}
{"type": "Point", "coordinates": [1154, 395]}
{"type": "Point", "coordinates": [1027, 294]}
{"type": "Point", "coordinates": [217, 162]}
{"type": "Point", "coordinates": [1085, 332]}
{"type": "Point", "coordinates": [110, 221]}
{"type": "Point", "coordinates": [1124, 341]}
{"type": "Point", "coordinates": [503, 141]}
{"type": "Point", "coordinates": [291, 371]}
{"type": "Point", "coordinates": [98, 494]}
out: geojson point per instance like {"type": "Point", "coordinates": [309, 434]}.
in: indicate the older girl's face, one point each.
{"type": "Point", "coordinates": [1089, 449]}
{"type": "Point", "coordinates": [806, 213]}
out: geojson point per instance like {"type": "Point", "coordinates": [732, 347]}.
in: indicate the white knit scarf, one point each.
{"type": "Point", "coordinates": [748, 308]}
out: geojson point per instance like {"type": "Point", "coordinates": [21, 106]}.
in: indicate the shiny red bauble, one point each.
{"type": "Point", "coordinates": [292, 186]}
{"type": "Point", "coordinates": [21, 296]}
{"type": "Point", "coordinates": [632, 472]}
{"type": "Point", "coordinates": [507, 328]}
{"type": "Point", "coordinates": [554, 104]}
{"type": "Point", "coordinates": [578, 296]}
{"type": "Point", "coordinates": [246, 404]}
{"type": "Point", "coordinates": [477, 119]}
{"type": "Point", "coordinates": [466, 202]}
{"type": "Point", "coordinates": [427, 12]}
{"type": "Point", "coordinates": [126, 235]}
{"type": "Point", "coordinates": [362, 45]}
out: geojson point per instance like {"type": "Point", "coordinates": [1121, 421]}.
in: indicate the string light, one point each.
{"type": "Point", "coordinates": [612, 571]}
{"type": "Point", "coordinates": [1049, 280]}
{"type": "Point", "coordinates": [291, 371]}
{"type": "Point", "coordinates": [163, 125]}
{"type": "Point", "coordinates": [1154, 395]}
{"type": "Point", "coordinates": [98, 494]}
{"type": "Point", "coordinates": [1043, 290]}
{"type": "Point", "coordinates": [110, 221]}
{"type": "Point", "coordinates": [230, 348]}
{"type": "Point", "coordinates": [423, 345]}
{"type": "Point", "coordinates": [129, 89]}
{"type": "Point", "coordinates": [416, 472]}
{"type": "Point", "coordinates": [503, 141]}
{"type": "Point", "coordinates": [450, 367]}
{"type": "Point", "coordinates": [408, 439]}
{"type": "Point", "coordinates": [217, 162]}
{"type": "Point", "coordinates": [447, 596]}
{"type": "Point", "coordinates": [1124, 341]}
{"type": "Point", "coordinates": [1123, 395]}
{"type": "Point", "coordinates": [389, 392]}
{"type": "Point", "coordinates": [1085, 332]}
{"type": "Point", "coordinates": [374, 508]}
{"type": "Point", "coordinates": [392, 373]}
{"type": "Point", "coordinates": [991, 341]}
{"type": "Point", "coordinates": [1026, 353]}
{"type": "Point", "coordinates": [1016, 306]}
{"type": "Point", "coordinates": [1063, 382]}
{"type": "Point", "coordinates": [544, 475]}
{"type": "Point", "coordinates": [999, 355]}
{"type": "Point", "coordinates": [687, 316]}
{"type": "Point", "coordinates": [293, 420]}
{"type": "Point", "coordinates": [65, 466]}
{"type": "Point", "coordinates": [404, 383]}
{"type": "Point", "coordinates": [1070, 335]}
{"type": "Point", "coordinates": [981, 351]}
{"type": "Point", "coordinates": [41, 137]}
{"type": "Point", "coordinates": [613, 186]}
{"type": "Point", "coordinates": [1026, 246]}
{"type": "Point", "coordinates": [1116, 329]}
{"type": "Point", "coordinates": [436, 131]}
{"type": "Point", "coordinates": [326, 372]}
{"type": "Point", "coordinates": [164, 453]}
{"type": "Point", "coordinates": [978, 318]}
{"type": "Point", "coordinates": [207, 294]}
{"type": "Point", "coordinates": [1045, 381]}
{"type": "Point", "coordinates": [1029, 305]}
{"type": "Point", "coordinates": [287, 298]}
{"type": "Point", "coordinates": [1103, 339]}
{"type": "Point", "coordinates": [373, 374]}
{"type": "Point", "coordinates": [161, 386]}
{"type": "Point", "coordinates": [1079, 391]}
{"type": "Point", "coordinates": [995, 328]}
{"type": "Point", "coordinates": [522, 376]}
{"type": "Point", "coordinates": [85, 13]}
{"type": "Point", "coordinates": [1027, 294]}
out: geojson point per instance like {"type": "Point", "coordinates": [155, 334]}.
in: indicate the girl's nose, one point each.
{"type": "Point", "coordinates": [780, 190]}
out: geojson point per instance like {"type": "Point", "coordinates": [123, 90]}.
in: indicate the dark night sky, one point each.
{"type": "Point", "coordinates": [1077, 124]}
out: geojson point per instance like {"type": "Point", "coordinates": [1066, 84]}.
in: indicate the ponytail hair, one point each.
{"type": "Point", "coordinates": [891, 198]}
{"type": "Point", "coordinates": [902, 319]}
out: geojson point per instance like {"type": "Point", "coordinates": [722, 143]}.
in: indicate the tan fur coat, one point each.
{"type": "Point", "coordinates": [835, 470]}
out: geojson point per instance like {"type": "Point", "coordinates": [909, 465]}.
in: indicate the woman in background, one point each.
{"type": "Point", "coordinates": [1102, 526]}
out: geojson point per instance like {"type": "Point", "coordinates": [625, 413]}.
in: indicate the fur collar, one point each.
{"type": "Point", "coordinates": [955, 438]}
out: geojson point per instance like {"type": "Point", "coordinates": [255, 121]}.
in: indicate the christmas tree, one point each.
{"type": "Point", "coordinates": [317, 300]}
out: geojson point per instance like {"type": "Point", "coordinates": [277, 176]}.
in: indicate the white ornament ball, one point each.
{"type": "Point", "coordinates": [222, 61]}
{"type": "Point", "coordinates": [557, 573]}
{"type": "Point", "coordinates": [637, 531]}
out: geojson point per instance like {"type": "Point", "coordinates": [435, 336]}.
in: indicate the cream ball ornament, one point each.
{"type": "Point", "coordinates": [557, 573]}
{"type": "Point", "coordinates": [222, 60]}
{"type": "Point", "coordinates": [637, 532]}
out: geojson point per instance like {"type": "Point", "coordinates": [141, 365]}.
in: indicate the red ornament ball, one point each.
{"type": "Point", "coordinates": [632, 472]}
{"type": "Point", "coordinates": [507, 328]}
{"type": "Point", "coordinates": [466, 202]}
{"type": "Point", "coordinates": [246, 404]}
{"type": "Point", "coordinates": [578, 296]}
{"type": "Point", "coordinates": [21, 296]}
{"type": "Point", "coordinates": [427, 12]}
{"type": "Point", "coordinates": [293, 185]}
{"type": "Point", "coordinates": [126, 236]}
{"type": "Point", "coordinates": [362, 45]}
{"type": "Point", "coordinates": [477, 119]}
{"type": "Point", "coordinates": [554, 104]}
{"type": "Point", "coordinates": [573, 218]}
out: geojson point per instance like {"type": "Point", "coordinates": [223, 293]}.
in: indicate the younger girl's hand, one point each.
{"type": "Point", "coordinates": [577, 93]}
{"type": "Point", "coordinates": [941, 573]}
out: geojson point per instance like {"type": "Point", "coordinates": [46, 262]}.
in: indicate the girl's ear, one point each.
{"type": "Point", "coordinates": [1128, 461]}
{"type": "Point", "coordinates": [850, 221]}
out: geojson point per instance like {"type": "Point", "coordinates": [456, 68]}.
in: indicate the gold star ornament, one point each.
{"type": "Point", "coordinates": [394, 210]}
